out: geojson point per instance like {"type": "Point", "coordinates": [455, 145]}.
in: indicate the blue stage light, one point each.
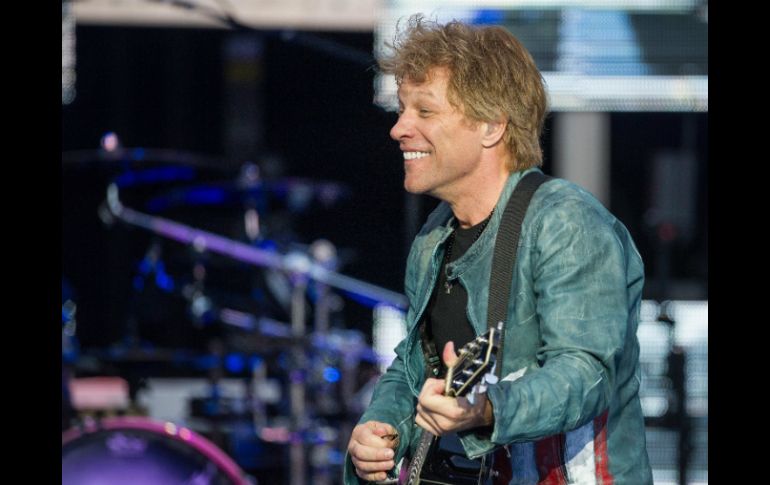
{"type": "Point", "coordinates": [331, 374]}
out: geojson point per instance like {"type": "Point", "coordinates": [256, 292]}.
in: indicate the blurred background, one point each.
{"type": "Point", "coordinates": [234, 227]}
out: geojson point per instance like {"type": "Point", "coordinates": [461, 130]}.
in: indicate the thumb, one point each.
{"type": "Point", "coordinates": [382, 429]}
{"type": "Point", "coordinates": [449, 356]}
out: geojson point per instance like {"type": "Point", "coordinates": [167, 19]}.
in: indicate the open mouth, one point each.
{"type": "Point", "coordinates": [415, 155]}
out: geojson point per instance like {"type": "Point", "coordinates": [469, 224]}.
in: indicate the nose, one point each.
{"type": "Point", "coordinates": [403, 127]}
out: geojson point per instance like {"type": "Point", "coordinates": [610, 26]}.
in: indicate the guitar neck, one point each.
{"type": "Point", "coordinates": [415, 466]}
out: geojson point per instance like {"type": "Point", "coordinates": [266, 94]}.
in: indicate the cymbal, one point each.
{"type": "Point", "coordinates": [296, 194]}
{"type": "Point", "coordinates": [246, 185]}
{"type": "Point", "coordinates": [140, 154]}
{"type": "Point", "coordinates": [265, 335]}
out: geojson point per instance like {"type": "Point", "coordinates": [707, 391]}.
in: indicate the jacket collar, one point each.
{"type": "Point", "coordinates": [485, 242]}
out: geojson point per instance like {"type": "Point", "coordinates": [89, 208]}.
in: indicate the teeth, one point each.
{"type": "Point", "coordinates": [414, 155]}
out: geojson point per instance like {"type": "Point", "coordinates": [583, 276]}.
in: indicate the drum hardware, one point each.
{"type": "Point", "coordinates": [69, 354]}
{"type": "Point", "coordinates": [324, 254]}
{"type": "Point", "coordinates": [249, 192]}
{"type": "Point", "coordinates": [299, 418]}
{"type": "Point", "coordinates": [326, 352]}
{"type": "Point", "coordinates": [201, 305]}
{"type": "Point", "coordinates": [292, 263]}
{"type": "Point", "coordinates": [307, 273]}
{"type": "Point", "coordinates": [120, 156]}
{"type": "Point", "coordinates": [255, 393]}
{"type": "Point", "coordinates": [131, 450]}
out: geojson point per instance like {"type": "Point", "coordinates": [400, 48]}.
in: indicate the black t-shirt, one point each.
{"type": "Point", "coordinates": [447, 317]}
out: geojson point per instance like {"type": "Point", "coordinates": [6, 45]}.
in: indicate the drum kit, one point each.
{"type": "Point", "coordinates": [255, 305]}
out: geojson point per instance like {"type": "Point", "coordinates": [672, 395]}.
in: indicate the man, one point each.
{"type": "Point", "coordinates": [567, 410]}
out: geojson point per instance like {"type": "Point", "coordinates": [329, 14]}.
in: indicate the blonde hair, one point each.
{"type": "Point", "coordinates": [492, 76]}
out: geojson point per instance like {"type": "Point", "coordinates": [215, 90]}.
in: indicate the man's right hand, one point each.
{"type": "Point", "coordinates": [372, 451]}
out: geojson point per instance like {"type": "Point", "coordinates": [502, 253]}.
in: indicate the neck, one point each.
{"type": "Point", "coordinates": [475, 205]}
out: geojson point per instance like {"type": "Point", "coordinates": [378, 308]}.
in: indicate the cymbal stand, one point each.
{"type": "Point", "coordinates": [324, 255]}
{"type": "Point", "coordinates": [258, 379]}
{"type": "Point", "coordinates": [297, 376]}
{"type": "Point", "coordinates": [248, 177]}
{"type": "Point", "coordinates": [200, 304]}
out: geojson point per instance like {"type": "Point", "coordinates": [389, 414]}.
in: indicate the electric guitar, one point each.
{"type": "Point", "coordinates": [441, 461]}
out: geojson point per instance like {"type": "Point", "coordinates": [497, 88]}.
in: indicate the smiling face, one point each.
{"type": "Point", "coordinates": [442, 148]}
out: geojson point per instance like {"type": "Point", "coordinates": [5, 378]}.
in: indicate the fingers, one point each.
{"type": "Point", "coordinates": [433, 400]}
{"type": "Point", "coordinates": [439, 414]}
{"type": "Point", "coordinates": [370, 453]}
{"type": "Point", "coordinates": [433, 408]}
{"type": "Point", "coordinates": [366, 452]}
{"type": "Point", "coordinates": [371, 467]}
{"type": "Point", "coordinates": [372, 477]}
{"type": "Point", "coordinates": [375, 437]}
{"type": "Point", "coordinates": [432, 387]}
{"type": "Point", "coordinates": [427, 422]}
{"type": "Point", "coordinates": [448, 355]}
{"type": "Point", "coordinates": [440, 421]}
{"type": "Point", "coordinates": [366, 446]}
{"type": "Point", "coordinates": [369, 462]}
{"type": "Point", "coordinates": [382, 429]}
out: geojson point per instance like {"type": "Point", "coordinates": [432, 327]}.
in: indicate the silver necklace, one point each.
{"type": "Point", "coordinates": [450, 243]}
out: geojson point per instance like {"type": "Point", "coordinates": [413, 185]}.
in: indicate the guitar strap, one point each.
{"type": "Point", "coordinates": [504, 257]}
{"type": "Point", "coordinates": [503, 262]}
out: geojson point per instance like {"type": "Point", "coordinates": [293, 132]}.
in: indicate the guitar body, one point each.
{"type": "Point", "coordinates": [448, 465]}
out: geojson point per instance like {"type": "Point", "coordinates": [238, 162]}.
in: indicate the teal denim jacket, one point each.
{"type": "Point", "coordinates": [567, 404]}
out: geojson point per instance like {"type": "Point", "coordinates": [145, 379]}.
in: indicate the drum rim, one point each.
{"type": "Point", "coordinates": [165, 428]}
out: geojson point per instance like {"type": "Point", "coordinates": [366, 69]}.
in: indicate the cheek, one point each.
{"type": "Point", "coordinates": [431, 133]}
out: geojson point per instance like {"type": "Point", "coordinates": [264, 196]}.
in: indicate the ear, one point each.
{"type": "Point", "coordinates": [493, 133]}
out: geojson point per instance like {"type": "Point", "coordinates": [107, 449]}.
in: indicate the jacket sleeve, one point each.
{"type": "Point", "coordinates": [390, 404]}
{"type": "Point", "coordinates": [579, 282]}
{"type": "Point", "coordinates": [393, 403]}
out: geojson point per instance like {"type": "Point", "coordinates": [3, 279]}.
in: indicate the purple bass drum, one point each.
{"type": "Point", "coordinates": [136, 450]}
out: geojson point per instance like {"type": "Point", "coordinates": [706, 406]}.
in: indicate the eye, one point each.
{"type": "Point", "coordinates": [424, 112]}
